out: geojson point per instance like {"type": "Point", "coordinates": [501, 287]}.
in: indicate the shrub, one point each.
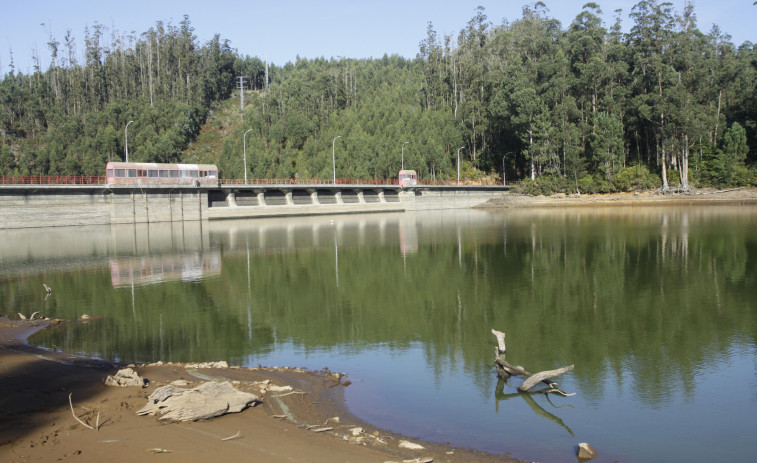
{"type": "Point", "coordinates": [636, 178]}
{"type": "Point", "coordinates": [529, 187]}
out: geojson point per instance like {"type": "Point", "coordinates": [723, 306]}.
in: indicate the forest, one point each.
{"type": "Point", "coordinates": [580, 108]}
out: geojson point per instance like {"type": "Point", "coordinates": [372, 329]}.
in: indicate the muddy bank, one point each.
{"type": "Point", "coordinates": [310, 423]}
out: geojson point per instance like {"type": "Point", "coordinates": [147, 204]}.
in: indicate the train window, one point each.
{"type": "Point", "coordinates": [152, 173]}
{"type": "Point", "coordinates": [141, 173]}
{"type": "Point", "coordinates": [120, 173]}
{"type": "Point", "coordinates": [174, 173]}
{"type": "Point", "coordinates": [163, 173]}
{"type": "Point", "coordinates": [212, 174]}
{"type": "Point", "coordinates": [193, 173]}
{"type": "Point", "coordinates": [131, 172]}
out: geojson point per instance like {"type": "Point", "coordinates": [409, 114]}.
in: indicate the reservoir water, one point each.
{"type": "Point", "coordinates": [656, 308]}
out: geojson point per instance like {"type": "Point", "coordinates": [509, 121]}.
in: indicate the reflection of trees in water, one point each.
{"type": "Point", "coordinates": [653, 291]}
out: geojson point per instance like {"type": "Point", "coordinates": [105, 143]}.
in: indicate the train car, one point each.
{"type": "Point", "coordinates": [408, 178]}
{"type": "Point", "coordinates": [146, 173]}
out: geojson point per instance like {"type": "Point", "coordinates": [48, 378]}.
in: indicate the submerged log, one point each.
{"type": "Point", "coordinates": [505, 370]}
{"type": "Point", "coordinates": [543, 376]}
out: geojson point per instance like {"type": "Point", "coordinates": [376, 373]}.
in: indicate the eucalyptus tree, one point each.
{"type": "Point", "coordinates": [535, 40]}
{"type": "Point", "coordinates": [652, 75]}
{"type": "Point", "coordinates": [472, 95]}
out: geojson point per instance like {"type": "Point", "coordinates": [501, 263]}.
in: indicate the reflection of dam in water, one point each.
{"type": "Point", "coordinates": [147, 270]}
{"type": "Point", "coordinates": [150, 253]}
{"type": "Point", "coordinates": [400, 231]}
{"type": "Point", "coordinates": [164, 248]}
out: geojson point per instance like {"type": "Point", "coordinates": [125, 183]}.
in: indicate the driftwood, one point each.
{"type": "Point", "coordinates": [97, 422]}
{"type": "Point", "coordinates": [207, 400]}
{"type": "Point", "coordinates": [505, 370]}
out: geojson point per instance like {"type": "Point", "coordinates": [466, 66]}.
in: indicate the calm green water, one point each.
{"type": "Point", "coordinates": [656, 307]}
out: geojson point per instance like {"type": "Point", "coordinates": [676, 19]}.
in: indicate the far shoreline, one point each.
{"type": "Point", "coordinates": [707, 196]}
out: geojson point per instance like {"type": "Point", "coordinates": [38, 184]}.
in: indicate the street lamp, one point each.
{"type": "Point", "coordinates": [126, 140]}
{"type": "Point", "coordinates": [244, 153]}
{"type": "Point", "coordinates": [504, 182]}
{"type": "Point", "coordinates": [403, 154]}
{"type": "Point", "coordinates": [333, 158]}
{"type": "Point", "coordinates": [458, 164]}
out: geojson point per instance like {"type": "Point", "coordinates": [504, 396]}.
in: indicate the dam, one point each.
{"type": "Point", "coordinates": [34, 206]}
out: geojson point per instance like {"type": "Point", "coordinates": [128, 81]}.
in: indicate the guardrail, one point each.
{"type": "Point", "coordinates": [100, 180]}
{"type": "Point", "coordinates": [51, 180]}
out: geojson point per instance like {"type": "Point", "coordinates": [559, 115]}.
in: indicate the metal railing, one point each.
{"type": "Point", "coordinates": [100, 180]}
{"type": "Point", "coordinates": [51, 180]}
{"type": "Point", "coordinates": [306, 181]}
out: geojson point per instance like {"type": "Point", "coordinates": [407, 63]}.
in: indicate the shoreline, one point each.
{"type": "Point", "coordinates": [707, 196]}
{"type": "Point", "coordinates": [310, 423]}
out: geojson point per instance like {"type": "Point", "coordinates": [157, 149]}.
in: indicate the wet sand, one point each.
{"type": "Point", "coordinates": [37, 423]}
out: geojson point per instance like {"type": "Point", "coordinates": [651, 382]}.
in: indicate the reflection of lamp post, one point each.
{"type": "Point", "coordinates": [333, 158]}
{"type": "Point", "coordinates": [126, 140]}
{"type": "Point", "coordinates": [403, 154]}
{"type": "Point", "coordinates": [458, 164]}
{"type": "Point", "coordinates": [244, 153]}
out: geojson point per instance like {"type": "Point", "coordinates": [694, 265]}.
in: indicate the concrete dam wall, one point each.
{"type": "Point", "coordinates": [33, 206]}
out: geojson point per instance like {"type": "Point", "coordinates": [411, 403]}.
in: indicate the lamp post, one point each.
{"type": "Point", "coordinates": [333, 157]}
{"type": "Point", "coordinates": [244, 153]}
{"type": "Point", "coordinates": [504, 182]}
{"type": "Point", "coordinates": [403, 154]}
{"type": "Point", "coordinates": [458, 164]}
{"type": "Point", "coordinates": [126, 140]}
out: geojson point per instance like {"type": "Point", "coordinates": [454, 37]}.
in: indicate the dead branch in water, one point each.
{"type": "Point", "coordinates": [505, 370]}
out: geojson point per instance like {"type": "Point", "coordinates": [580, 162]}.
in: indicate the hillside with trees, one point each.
{"type": "Point", "coordinates": [576, 108]}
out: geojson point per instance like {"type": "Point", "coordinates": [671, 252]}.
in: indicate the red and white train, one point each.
{"type": "Point", "coordinates": [146, 173]}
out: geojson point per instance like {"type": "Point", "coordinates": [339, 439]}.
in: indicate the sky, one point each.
{"type": "Point", "coordinates": [282, 30]}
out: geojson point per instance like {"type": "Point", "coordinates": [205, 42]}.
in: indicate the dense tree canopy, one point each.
{"type": "Point", "coordinates": [581, 107]}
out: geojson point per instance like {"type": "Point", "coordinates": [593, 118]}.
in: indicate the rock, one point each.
{"type": "Point", "coordinates": [410, 445]}
{"type": "Point", "coordinates": [274, 388]}
{"type": "Point", "coordinates": [207, 400]}
{"type": "Point", "coordinates": [221, 364]}
{"type": "Point", "coordinates": [124, 378]}
{"type": "Point", "coordinates": [585, 452]}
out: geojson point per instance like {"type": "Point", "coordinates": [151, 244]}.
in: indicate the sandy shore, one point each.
{"type": "Point", "coordinates": [37, 423]}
